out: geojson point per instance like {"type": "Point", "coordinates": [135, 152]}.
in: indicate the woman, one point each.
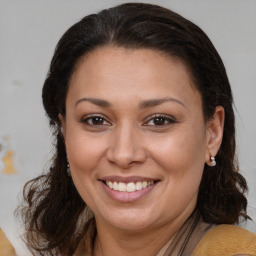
{"type": "Point", "coordinates": [141, 107]}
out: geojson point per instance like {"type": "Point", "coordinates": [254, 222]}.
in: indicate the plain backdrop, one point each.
{"type": "Point", "coordinates": [29, 31]}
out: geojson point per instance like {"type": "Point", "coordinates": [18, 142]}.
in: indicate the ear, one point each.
{"type": "Point", "coordinates": [215, 128]}
{"type": "Point", "coordinates": [63, 125]}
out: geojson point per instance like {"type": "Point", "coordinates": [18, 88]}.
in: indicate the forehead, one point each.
{"type": "Point", "coordinates": [110, 71]}
{"type": "Point", "coordinates": [130, 58]}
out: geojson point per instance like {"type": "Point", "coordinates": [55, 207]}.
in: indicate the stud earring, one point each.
{"type": "Point", "coordinates": [213, 161]}
{"type": "Point", "coordinates": [68, 170]}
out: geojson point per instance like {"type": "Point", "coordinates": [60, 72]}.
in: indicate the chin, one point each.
{"type": "Point", "coordinates": [130, 221]}
{"type": "Point", "coordinates": [132, 226]}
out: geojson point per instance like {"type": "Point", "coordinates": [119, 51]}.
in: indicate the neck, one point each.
{"type": "Point", "coordinates": [134, 244]}
{"type": "Point", "coordinates": [111, 241]}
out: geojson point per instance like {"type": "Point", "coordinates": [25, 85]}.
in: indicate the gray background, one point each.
{"type": "Point", "coordinates": [29, 31]}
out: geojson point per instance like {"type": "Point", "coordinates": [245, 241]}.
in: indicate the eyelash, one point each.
{"type": "Point", "coordinates": [163, 118]}
{"type": "Point", "coordinates": [164, 121]}
{"type": "Point", "coordinates": [87, 120]}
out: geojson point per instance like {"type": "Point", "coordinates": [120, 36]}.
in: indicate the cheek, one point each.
{"type": "Point", "coordinates": [182, 160]}
{"type": "Point", "coordinates": [84, 154]}
{"type": "Point", "coordinates": [181, 152]}
{"type": "Point", "coordinates": [84, 151]}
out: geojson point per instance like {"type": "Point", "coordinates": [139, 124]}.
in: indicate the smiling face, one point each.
{"type": "Point", "coordinates": [135, 137]}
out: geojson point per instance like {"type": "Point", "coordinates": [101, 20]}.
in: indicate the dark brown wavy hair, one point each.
{"type": "Point", "coordinates": [55, 216]}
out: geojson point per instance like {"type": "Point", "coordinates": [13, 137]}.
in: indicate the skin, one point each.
{"type": "Point", "coordinates": [129, 141]}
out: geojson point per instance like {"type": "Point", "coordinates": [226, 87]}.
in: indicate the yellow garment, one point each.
{"type": "Point", "coordinates": [226, 240]}
{"type": "Point", "coordinates": [6, 248]}
{"type": "Point", "coordinates": [222, 240]}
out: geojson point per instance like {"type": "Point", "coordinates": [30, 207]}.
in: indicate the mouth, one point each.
{"type": "Point", "coordinates": [128, 189]}
{"type": "Point", "coordinates": [129, 186]}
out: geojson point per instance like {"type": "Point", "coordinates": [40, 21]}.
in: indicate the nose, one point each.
{"type": "Point", "coordinates": [126, 148]}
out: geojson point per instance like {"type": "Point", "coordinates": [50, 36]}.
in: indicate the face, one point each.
{"type": "Point", "coordinates": [135, 137]}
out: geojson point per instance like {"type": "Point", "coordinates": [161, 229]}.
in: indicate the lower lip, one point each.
{"type": "Point", "coordinates": [127, 196]}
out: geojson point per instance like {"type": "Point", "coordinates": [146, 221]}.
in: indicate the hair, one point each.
{"type": "Point", "coordinates": [53, 209]}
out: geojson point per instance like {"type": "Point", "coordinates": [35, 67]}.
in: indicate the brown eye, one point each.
{"type": "Point", "coordinates": [95, 121]}
{"type": "Point", "coordinates": [159, 121]}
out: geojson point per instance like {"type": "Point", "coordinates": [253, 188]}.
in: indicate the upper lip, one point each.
{"type": "Point", "coordinates": [127, 179]}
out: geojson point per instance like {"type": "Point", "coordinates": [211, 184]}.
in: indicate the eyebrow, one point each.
{"type": "Point", "coordinates": [144, 104]}
{"type": "Point", "coordinates": [98, 102]}
{"type": "Point", "coordinates": [155, 102]}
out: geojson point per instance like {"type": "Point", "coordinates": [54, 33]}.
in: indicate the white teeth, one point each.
{"type": "Point", "coordinates": [110, 184]}
{"type": "Point", "coordinates": [138, 185]}
{"type": "Point", "coordinates": [129, 187]}
{"type": "Point", "coordinates": [122, 187]}
{"type": "Point", "coordinates": [115, 185]}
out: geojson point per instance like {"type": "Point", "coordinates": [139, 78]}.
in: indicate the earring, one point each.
{"type": "Point", "coordinates": [213, 161]}
{"type": "Point", "coordinates": [68, 170]}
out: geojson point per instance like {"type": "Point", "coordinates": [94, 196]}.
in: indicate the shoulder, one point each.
{"type": "Point", "coordinates": [226, 240]}
{"type": "Point", "coordinates": [6, 248]}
